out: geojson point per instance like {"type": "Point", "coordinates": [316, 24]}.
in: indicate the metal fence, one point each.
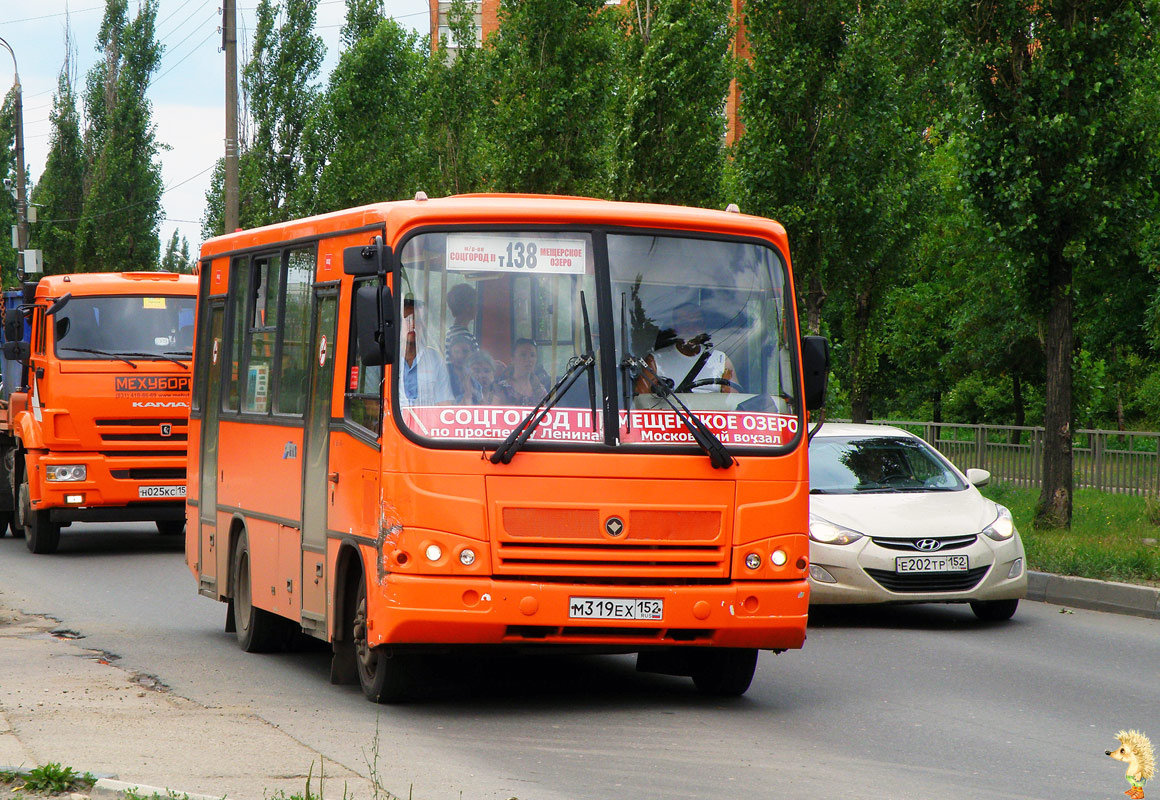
{"type": "Point", "coordinates": [1110, 461]}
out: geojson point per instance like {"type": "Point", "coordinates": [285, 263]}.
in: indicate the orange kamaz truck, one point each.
{"type": "Point", "coordinates": [95, 402]}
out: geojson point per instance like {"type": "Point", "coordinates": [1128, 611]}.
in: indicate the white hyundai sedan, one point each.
{"type": "Point", "coordinates": [892, 521]}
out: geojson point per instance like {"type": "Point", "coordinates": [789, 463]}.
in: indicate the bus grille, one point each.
{"type": "Point", "coordinates": [571, 542]}
{"type": "Point", "coordinates": [144, 431]}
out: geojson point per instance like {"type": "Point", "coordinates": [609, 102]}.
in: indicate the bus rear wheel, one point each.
{"type": "Point", "coordinates": [258, 630]}
{"type": "Point", "coordinates": [724, 671]}
{"type": "Point", "coordinates": [385, 677]}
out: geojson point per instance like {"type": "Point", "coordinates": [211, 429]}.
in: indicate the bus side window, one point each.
{"type": "Point", "coordinates": [364, 384]}
{"type": "Point", "coordinates": [295, 330]}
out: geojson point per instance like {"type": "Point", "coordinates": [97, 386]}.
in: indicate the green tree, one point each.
{"type": "Point", "coordinates": [8, 253]}
{"type": "Point", "coordinates": [59, 193]}
{"type": "Point", "coordinates": [671, 141]}
{"type": "Point", "coordinates": [118, 229]}
{"type": "Point", "coordinates": [1059, 114]}
{"type": "Point", "coordinates": [363, 141]}
{"type": "Point", "coordinates": [176, 257]}
{"type": "Point", "coordinates": [549, 127]}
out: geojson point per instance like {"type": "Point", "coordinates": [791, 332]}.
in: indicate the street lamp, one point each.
{"type": "Point", "coordinates": [21, 200]}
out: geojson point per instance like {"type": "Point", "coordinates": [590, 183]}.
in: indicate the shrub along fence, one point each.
{"type": "Point", "coordinates": [1122, 462]}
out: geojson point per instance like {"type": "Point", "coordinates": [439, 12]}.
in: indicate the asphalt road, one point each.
{"type": "Point", "coordinates": [906, 702]}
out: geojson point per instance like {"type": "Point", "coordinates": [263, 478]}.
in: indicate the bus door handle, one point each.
{"type": "Point", "coordinates": [333, 478]}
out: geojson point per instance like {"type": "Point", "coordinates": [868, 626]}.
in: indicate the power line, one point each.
{"type": "Point", "coordinates": [165, 190]}
{"type": "Point", "coordinates": [57, 14]}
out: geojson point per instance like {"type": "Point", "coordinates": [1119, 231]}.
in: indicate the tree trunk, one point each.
{"type": "Point", "coordinates": [815, 298]}
{"type": "Point", "coordinates": [1020, 409]}
{"type": "Point", "coordinates": [1054, 508]}
{"type": "Point", "coordinates": [859, 357]}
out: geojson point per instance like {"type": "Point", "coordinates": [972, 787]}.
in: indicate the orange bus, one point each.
{"type": "Point", "coordinates": [95, 403]}
{"type": "Point", "coordinates": [505, 421]}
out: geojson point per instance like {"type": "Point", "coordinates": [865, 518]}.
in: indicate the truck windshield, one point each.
{"type": "Point", "coordinates": [104, 327]}
{"type": "Point", "coordinates": [492, 320]}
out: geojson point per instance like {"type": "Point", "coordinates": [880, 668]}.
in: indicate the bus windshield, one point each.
{"type": "Point", "coordinates": [491, 321]}
{"type": "Point", "coordinates": [101, 327]}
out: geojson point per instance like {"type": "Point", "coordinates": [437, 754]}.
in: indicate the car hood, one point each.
{"type": "Point", "coordinates": [907, 514]}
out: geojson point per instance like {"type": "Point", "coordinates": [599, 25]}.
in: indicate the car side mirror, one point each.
{"type": "Point", "coordinates": [374, 325]}
{"type": "Point", "coordinates": [17, 351]}
{"type": "Point", "coordinates": [978, 477]}
{"type": "Point", "coordinates": [815, 352]}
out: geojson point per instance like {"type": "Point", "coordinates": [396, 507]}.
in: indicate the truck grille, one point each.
{"type": "Point", "coordinates": [143, 431]}
{"type": "Point", "coordinates": [571, 542]}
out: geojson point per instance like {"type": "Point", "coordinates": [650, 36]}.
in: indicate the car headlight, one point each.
{"type": "Point", "coordinates": [66, 472]}
{"type": "Point", "coordinates": [824, 531]}
{"type": "Point", "coordinates": [1003, 528]}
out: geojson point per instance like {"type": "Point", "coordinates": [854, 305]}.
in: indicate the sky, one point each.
{"type": "Point", "coordinates": [188, 89]}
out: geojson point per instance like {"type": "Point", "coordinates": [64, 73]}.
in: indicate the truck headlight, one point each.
{"type": "Point", "coordinates": [66, 472]}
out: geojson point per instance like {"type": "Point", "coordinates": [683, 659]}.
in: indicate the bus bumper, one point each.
{"type": "Point", "coordinates": [426, 610]}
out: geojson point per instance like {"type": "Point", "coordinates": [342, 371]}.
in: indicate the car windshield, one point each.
{"type": "Point", "coordinates": [493, 320]}
{"type": "Point", "coordinates": [104, 327]}
{"type": "Point", "coordinates": [850, 465]}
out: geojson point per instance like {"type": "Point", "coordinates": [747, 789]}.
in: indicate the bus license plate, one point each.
{"type": "Point", "coordinates": [615, 608]}
{"type": "Point", "coordinates": [161, 491]}
{"type": "Point", "coordinates": [930, 564]}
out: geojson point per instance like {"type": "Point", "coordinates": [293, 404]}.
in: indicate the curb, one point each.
{"type": "Point", "coordinates": [1118, 598]}
{"type": "Point", "coordinates": [109, 789]}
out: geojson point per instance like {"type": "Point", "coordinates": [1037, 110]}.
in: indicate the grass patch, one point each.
{"type": "Point", "coordinates": [1107, 540]}
{"type": "Point", "coordinates": [48, 779]}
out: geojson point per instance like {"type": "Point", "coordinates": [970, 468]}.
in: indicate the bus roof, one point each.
{"type": "Point", "coordinates": [499, 209]}
{"type": "Point", "coordinates": [90, 283]}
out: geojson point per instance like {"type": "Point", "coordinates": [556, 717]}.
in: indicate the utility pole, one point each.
{"type": "Point", "coordinates": [230, 45]}
{"type": "Point", "coordinates": [21, 200]}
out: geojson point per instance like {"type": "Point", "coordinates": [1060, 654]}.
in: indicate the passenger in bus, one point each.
{"type": "Point", "coordinates": [425, 381]}
{"type": "Point", "coordinates": [464, 387]}
{"type": "Point", "coordinates": [484, 372]}
{"type": "Point", "coordinates": [684, 356]}
{"type": "Point", "coordinates": [462, 301]}
{"type": "Point", "coordinates": [524, 383]}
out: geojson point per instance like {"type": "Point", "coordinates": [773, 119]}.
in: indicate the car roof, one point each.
{"type": "Point", "coordinates": [830, 430]}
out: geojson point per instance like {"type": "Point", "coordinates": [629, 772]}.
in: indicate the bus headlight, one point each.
{"type": "Point", "coordinates": [434, 552]}
{"type": "Point", "coordinates": [778, 558]}
{"type": "Point", "coordinates": [66, 472]}
{"type": "Point", "coordinates": [753, 561]}
{"type": "Point", "coordinates": [467, 556]}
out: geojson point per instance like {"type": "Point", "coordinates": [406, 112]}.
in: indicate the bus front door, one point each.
{"type": "Point", "coordinates": [210, 558]}
{"type": "Point", "coordinates": [317, 478]}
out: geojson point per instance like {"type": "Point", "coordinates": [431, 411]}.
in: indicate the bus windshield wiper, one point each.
{"type": "Point", "coordinates": [719, 455]}
{"type": "Point", "coordinates": [515, 440]}
{"type": "Point", "coordinates": [154, 355]}
{"type": "Point", "coordinates": [118, 356]}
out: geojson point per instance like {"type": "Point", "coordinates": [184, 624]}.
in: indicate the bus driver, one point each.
{"type": "Point", "coordinates": [685, 359]}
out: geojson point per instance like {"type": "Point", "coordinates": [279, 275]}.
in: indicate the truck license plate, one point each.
{"type": "Point", "coordinates": [161, 491]}
{"type": "Point", "coordinates": [615, 608]}
{"type": "Point", "coordinates": [930, 564]}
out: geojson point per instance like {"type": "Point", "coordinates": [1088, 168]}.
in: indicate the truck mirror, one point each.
{"type": "Point", "coordinates": [17, 351]}
{"type": "Point", "coordinates": [59, 304]}
{"type": "Point", "coordinates": [14, 327]}
{"type": "Point", "coordinates": [366, 259]}
{"type": "Point", "coordinates": [374, 325]}
{"type": "Point", "coordinates": [815, 370]}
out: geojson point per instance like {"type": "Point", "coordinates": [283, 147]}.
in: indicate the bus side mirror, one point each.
{"type": "Point", "coordinates": [17, 351]}
{"type": "Point", "coordinates": [374, 325]}
{"type": "Point", "coordinates": [364, 260]}
{"type": "Point", "coordinates": [815, 370]}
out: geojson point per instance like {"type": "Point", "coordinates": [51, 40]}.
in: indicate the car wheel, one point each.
{"type": "Point", "coordinates": [258, 630]}
{"type": "Point", "coordinates": [385, 677]}
{"type": "Point", "coordinates": [994, 610]}
{"type": "Point", "coordinates": [724, 671]}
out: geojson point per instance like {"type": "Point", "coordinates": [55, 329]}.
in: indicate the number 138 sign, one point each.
{"type": "Point", "coordinates": [479, 252]}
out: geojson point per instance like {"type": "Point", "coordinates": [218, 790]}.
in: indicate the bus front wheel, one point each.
{"type": "Point", "coordinates": [724, 671]}
{"type": "Point", "coordinates": [258, 630]}
{"type": "Point", "coordinates": [385, 677]}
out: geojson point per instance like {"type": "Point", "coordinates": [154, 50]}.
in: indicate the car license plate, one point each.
{"type": "Point", "coordinates": [615, 608]}
{"type": "Point", "coordinates": [161, 491]}
{"type": "Point", "coordinates": [930, 564]}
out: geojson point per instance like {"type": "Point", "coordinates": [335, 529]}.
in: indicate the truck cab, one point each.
{"type": "Point", "coordinates": [96, 388]}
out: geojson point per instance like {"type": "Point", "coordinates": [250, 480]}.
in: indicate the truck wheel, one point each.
{"type": "Point", "coordinates": [171, 527]}
{"type": "Point", "coordinates": [43, 534]}
{"type": "Point", "coordinates": [385, 677]}
{"type": "Point", "coordinates": [258, 630]}
{"type": "Point", "coordinates": [724, 671]}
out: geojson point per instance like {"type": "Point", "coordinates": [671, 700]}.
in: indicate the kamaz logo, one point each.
{"type": "Point", "coordinates": [151, 383]}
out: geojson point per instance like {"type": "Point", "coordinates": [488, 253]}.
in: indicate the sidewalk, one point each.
{"type": "Point", "coordinates": [60, 702]}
